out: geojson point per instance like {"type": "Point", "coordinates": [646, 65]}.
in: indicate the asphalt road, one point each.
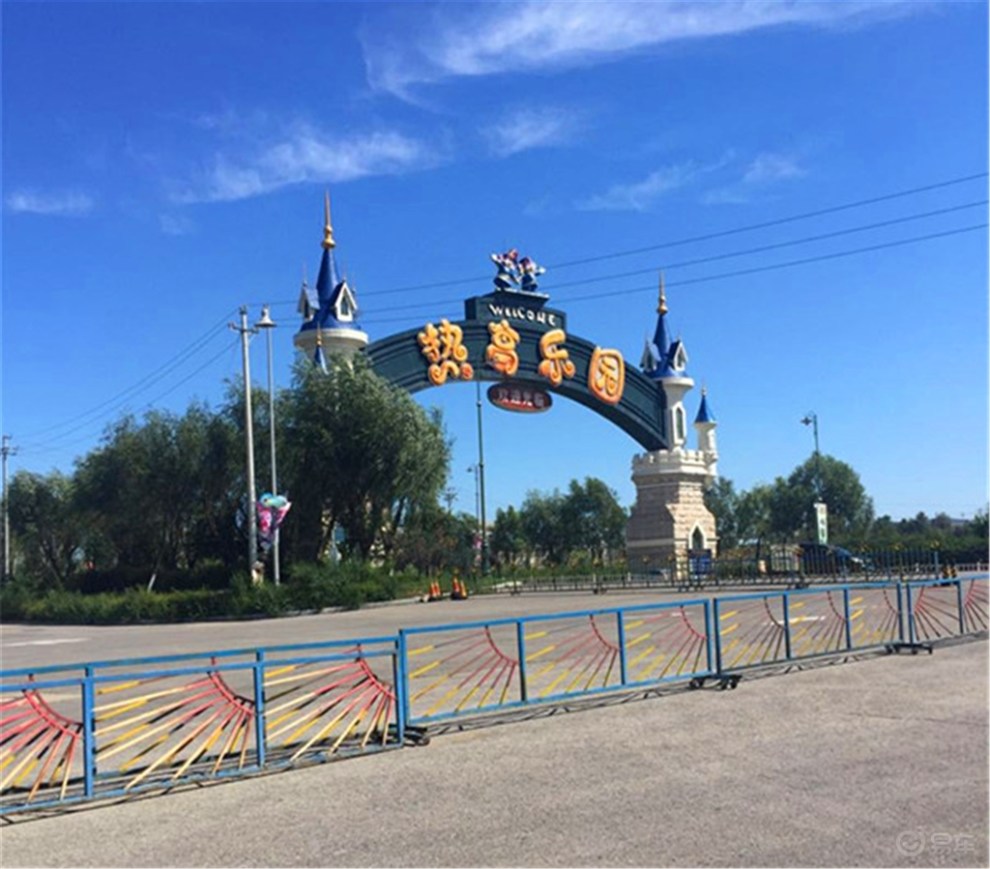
{"type": "Point", "coordinates": [37, 645]}
{"type": "Point", "coordinates": [878, 762]}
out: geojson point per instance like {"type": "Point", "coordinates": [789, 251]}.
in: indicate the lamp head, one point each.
{"type": "Point", "coordinates": [266, 321]}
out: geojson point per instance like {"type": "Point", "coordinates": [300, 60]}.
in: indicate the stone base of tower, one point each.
{"type": "Point", "coordinates": [669, 519]}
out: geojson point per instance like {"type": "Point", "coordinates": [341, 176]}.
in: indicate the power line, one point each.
{"type": "Point", "coordinates": [56, 443]}
{"type": "Point", "coordinates": [767, 247]}
{"type": "Point", "coordinates": [112, 405]}
{"type": "Point", "coordinates": [145, 382]}
{"type": "Point", "coordinates": [737, 273]}
{"type": "Point", "coordinates": [731, 254]}
{"type": "Point", "coordinates": [859, 203]}
{"type": "Point", "coordinates": [784, 265]}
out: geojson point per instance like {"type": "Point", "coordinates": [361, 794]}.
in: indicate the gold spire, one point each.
{"type": "Point", "coordinates": [328, 242]}
{"type": "Point", "coordinates": [662, 304]}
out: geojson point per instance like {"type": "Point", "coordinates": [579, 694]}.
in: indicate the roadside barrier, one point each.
{"type": "Point", "coordinates": [463, 669]}
{"type": "Point", "coordinates": [102, 729]}
{"type": "Point", "coordinates": [115, 728]}
{"type": "Point", "coordinates": [937, 610]}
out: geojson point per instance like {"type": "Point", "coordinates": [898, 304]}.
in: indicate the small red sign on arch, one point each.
{"type": "Point", "coordinates": [519, 397]}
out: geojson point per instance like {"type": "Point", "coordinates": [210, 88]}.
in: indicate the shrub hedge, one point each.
{"type": "Point", "coordinates": [117, 598]}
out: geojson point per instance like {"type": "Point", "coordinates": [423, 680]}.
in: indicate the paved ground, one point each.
{"type": "Point", "coordinates": [35, 645]}
{"type": "Point", "coordinates": [879, 762]}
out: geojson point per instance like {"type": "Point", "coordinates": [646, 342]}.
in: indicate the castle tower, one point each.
{"type": "Point", "coordinates": [704, 425]}
{"type": "Point", "coordinates": [330, 311]}
{"type": "Point", "coordinates": [669, 519]}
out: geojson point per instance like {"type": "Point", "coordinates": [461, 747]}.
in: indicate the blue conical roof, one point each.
{"type": "Point", "coordinates": [704, 412]}
{"type": "Point", "coordinates": [326, 287]}
{"type": "Point", "coordinates": [325, 304]}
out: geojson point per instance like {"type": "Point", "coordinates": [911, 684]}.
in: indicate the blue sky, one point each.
{"type": "Point", "coordinates": [165, 163]}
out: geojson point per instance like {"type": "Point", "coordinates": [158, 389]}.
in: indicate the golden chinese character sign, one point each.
{"type": "Point", "coordinates": [556, 363]}
{"type": "Point", "coordinates": [445, 351]}
{"type": "Point", "coordinates": [501, 351]}
{"type": "Point", "coordinates": [512, 339]}
{"type": "Point", "coordinates": [607, 375]}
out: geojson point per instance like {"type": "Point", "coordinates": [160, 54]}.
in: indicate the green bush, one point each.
{"type": "Point", "coordinates": [130, 607]}
{"type": "Point", "coordinates": [306, 587]}
{"type": "Point", "coordinates": [214, 575]}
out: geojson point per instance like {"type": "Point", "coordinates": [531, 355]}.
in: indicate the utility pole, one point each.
{"type": "Point", "coordinates": [6, 450]}
{"type": "Point", "coordinates": [268, 324]}
{"type": "Point", "coordinates": [245, 331]}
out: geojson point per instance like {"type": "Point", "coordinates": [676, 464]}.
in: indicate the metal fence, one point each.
{"type": "Point", "coordinates": [779, 566]}
{"type": "Point", "coordinates": [114, 728]}
{"type": "Point", "coordinates": [459, 670]}
{"type": "Point", "coordinates": [937, 610]}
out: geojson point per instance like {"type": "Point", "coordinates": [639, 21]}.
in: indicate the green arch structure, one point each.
{"type": "Point", "coordinates": [640, 413]}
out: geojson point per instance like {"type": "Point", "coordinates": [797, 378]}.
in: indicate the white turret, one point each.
{"type": "Point", "coordinates": [704, 425]}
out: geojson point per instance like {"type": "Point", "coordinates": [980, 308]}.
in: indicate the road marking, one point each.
{"type": "Point", "coordinates": [46, 642]}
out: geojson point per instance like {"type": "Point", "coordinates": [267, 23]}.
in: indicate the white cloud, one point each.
{"type": "Point", "coordinates": [763, 171]}
{"type": "Point", "coordinates": [482, 39]}
{"type": "Point", "coordinates": [63, 204]}
{"type": "Point", "coordinates": [306, 154]}
{"type": "Point", "coordinates": [530, 128]}
{"type": "Point", "coordinates": [641, 195]}
{"type": "Point", "coordinates": [767, 168]}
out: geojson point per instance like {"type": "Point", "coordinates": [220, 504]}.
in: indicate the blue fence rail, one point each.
{"type": "Point", "coordinates": [465, 669]}
{"type": "Point", "coordinates": [112, 728]}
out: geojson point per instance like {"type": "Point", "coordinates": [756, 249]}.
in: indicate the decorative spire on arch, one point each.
{"type": "Point", "coordinates": [705, 414]}
{"type": "Point", "coordinates": [328, 243]}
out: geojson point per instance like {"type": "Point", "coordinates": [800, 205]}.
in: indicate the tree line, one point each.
{"type": "Point", "coordinates": [783, 512]}
{"type": "Point", "coordinates": [359, 459]}
{"type": "Point", "coordinates": [584, 526]}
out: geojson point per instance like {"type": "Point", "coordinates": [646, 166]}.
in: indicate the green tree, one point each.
{"type": "Point", "coordinates": [45, 527]}
{"type": "Point", "coordinates": [507, 539]}
{"type": "Point", "coordinates": [850, 510]}
{"type": "Point", "coordinates": [358, 452]}
{"type": "Point", "coordinates": [593, 521]}
{"type": "Point", "coordinates": [542, 520]}
{"type": "Point", "coordinates": [722, 501]}
{"type": "Point", "coordinates": [753, 515]}
{"type": "Point", "coordinates": [163, 492]}
{"type": "Point", "coordinates": [433, 539]}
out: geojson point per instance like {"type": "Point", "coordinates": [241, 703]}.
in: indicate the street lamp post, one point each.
{"type": "Point", "coordinates": [245, 331]}
{"type": "Point", "coordinates": [812, 419]}
{"type": "Point", "coordinates": [821, 509]}
{"type": "Point", "coordinates": [267, 325]}
{"type": "Point", "coordinates": [481, 486]}
{"type": "Point", "coordinates": [474, 469]}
